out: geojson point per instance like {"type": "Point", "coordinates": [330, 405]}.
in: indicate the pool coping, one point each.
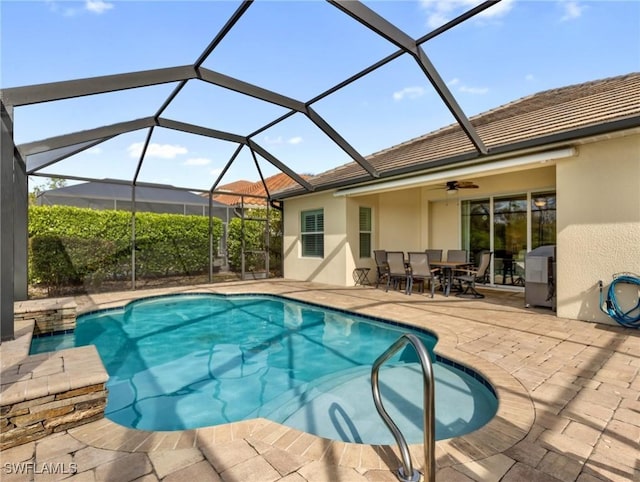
{"type": "Point", "coordinates": [512, 422]}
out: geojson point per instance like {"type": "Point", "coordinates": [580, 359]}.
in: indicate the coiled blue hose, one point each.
{"type": "Point", "coordinates": [629, 318]}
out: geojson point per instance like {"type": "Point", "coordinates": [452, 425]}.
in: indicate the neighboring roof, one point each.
{"type": "Point", "coordinates": [277, 182]}
{"type": "Point", "coordinates": [554, 115]}
{"type": "Point", "coordinates": [118, 191]}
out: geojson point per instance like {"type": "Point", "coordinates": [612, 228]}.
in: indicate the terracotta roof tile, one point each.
{"type": "Point", "coordinates": [250, 189]}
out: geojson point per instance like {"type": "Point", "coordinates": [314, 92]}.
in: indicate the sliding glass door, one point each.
{"type": "Point", "coordinates": [476, 227]}
{"type": "Point", "coordinates": [509, 237]}
{"type": "Point", "coordinates": [543, 219]}
{"type": "Point", "coordinates": [510, 226]}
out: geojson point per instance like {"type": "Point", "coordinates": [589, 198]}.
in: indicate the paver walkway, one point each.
{"type": "Point", "coordinates": [569, 406]}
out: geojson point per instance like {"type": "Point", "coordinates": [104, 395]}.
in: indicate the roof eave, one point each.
{"type": "Point", "coordinates": [453, 161]}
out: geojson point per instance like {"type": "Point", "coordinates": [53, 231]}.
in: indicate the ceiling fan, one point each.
{"type": "Point", "coordinates": [451, 187]}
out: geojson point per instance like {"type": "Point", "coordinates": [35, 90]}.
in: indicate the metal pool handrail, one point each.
{"type": "Point", "coordinates": [406, 472]}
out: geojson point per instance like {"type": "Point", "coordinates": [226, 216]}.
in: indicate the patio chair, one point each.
{"type": "Point", "coordinates": [472, 276]}
{"type": "Point", "coordinates": [382, 267]}
{"type": "Point", "coordinates": [434, 254]}
{"type": "Point", "coordinates": [421, 271]}
{"type": "Point", "coordinates": [398, 272]}
{"type": "Point", "coordinates": [457, 255]}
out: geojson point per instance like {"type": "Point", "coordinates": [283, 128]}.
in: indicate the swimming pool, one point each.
{"type": "Point", "coordinates": [186, 361]}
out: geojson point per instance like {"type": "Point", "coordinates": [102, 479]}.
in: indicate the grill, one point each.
{"type": "Point", "coordinates": [540, 277]}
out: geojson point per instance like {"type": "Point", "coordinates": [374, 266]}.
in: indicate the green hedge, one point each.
{"type": "Point", "coordinates": [67, 245]}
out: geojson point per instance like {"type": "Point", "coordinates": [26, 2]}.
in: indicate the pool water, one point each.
{"type": "Point", "coordinates": [188, 361]}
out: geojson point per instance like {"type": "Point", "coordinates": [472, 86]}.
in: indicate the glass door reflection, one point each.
{"type": "Point", "coordinates": [509, 237]}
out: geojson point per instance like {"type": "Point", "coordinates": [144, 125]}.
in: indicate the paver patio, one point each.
{"type": "Point", "coordinates": [569, 405]}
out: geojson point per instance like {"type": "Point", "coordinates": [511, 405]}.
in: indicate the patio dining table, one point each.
{"type": "Point", "coordinates": [448, 267]}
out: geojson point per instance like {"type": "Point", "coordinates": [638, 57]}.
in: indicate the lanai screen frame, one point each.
{"type": "Point", "coordinates": [15, 165]}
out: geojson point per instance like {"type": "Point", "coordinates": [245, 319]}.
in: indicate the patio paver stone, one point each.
{"type": "Point", "coordinates": [569, 402]}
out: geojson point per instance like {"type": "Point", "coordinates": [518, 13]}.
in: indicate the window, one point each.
{"type": "Point", "coordinates": [312, 233]}
{"type": "Point", "coordinates": [365, 232]}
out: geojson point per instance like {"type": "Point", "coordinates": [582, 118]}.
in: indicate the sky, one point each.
{"type": "Point", "coordinates": [299, 49]}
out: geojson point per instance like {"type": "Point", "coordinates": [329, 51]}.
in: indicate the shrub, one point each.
{"type": "Point", "coordinates": [68, 245]}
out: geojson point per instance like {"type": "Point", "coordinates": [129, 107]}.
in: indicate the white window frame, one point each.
{"type": "Point", "coordinates": [365, 231]}
{"type": "Point", "coordinates": [319, 230]}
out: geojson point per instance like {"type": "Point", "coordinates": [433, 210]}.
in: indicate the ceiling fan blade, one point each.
{"type": "Point", "coordinates": [452, 186]}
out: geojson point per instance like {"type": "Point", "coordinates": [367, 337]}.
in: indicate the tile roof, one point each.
{"type": "Point", "coordinates": [233, 187]}
{"type": "Point", "coordinates": [274, 183]}
{"type": "Point", "coordinates": [548, 116]}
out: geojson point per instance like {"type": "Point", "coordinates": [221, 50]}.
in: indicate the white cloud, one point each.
{"type": "Point", "coordinates": [197, 161]}
{"type": "Point", "coordinates": [473, 90]}
{"type": "Point", "coordinates": [216, 172]}
{"type": "Point", "coordinates": [571, 10]}
{"type": "Point", "coordinates": [435, 19]}
{"type": "Point", "coordinates": [93, 6]}
{"type": "Point", "coordinates": [529, 78]}
{"type": "Point", "coordinates": [273, 140]}
{"type": "Point", "coordinates": [97, 6]}
{"type": "Point", "coordinates": [65, 11]}
{"type": "Point", "coordinates": [441, 11]}
{"type": "Point", "coordinates": [409, 92]}
{"type": "Point", "coordinates": [466, 88]}
{"type": "Point", "coordinates": [279, 140]}
{"type": "Point", "coordinates": [94, 151]}
{"type": "Point", "coordinates": [498, 10]}
{"type": "Point", "coordinates": [163, 151]}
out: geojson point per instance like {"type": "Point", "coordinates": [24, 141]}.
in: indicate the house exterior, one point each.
{"type": "Point", "coordinates": [562, 169]}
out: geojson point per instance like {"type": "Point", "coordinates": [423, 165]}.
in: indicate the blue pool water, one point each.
{"type": "Point", "coordinates": [188, 361]}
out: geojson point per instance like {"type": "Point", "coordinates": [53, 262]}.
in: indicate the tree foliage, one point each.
{"type": "Point", "coordinates": [51, 183]}
{"type": "Point", "coordinates": [255, 238]}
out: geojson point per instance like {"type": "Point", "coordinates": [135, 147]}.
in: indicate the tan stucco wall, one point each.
{"type": "Point", "coordinates": [399, 223]}
{"type": "Point", "coordinates": [332, 268]}
{"type": "Point", "coordinates": [598, 197]}
{"type": "Point", "coordinates": [444, 232]}
{"type": "Point", "coordinates": [401, 217]}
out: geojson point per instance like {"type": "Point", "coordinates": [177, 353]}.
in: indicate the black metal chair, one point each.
{"type": "Point", "coordinates": [470, 277]}
{"type": "Point", "coordinates": [398, 272]}
{"type": "Point", "coordinates": [434, 254]}
{"type": "Point", "coordinates": [382, 267]}
{"type": "Point", "coordinates": [457, 255]}
{"type": "Point", "coordinates": [420, 271]}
